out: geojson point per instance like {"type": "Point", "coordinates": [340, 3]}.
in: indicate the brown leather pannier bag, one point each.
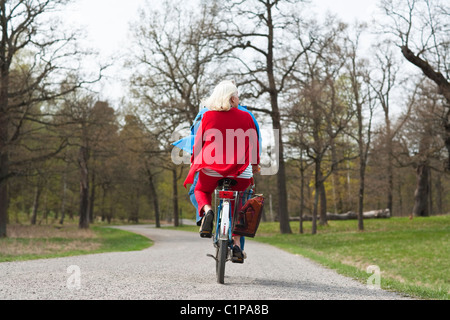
{"type": "Point", "coordinates": [246, 221]}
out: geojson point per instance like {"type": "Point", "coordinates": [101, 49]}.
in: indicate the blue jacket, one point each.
{"type": "Point", "coordinates": [187, 143]}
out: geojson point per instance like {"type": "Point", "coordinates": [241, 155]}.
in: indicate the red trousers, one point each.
{"type": "Point", "coordinates": [206, 186]}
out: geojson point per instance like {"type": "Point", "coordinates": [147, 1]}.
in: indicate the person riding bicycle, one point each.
{"type": "Point", "coordinates": [226, 145]}
{"type": "Point", "coordinates": [187, 144]}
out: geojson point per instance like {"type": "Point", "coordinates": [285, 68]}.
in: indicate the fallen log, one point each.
{"type": "Point", "coordinates": [374, 214]}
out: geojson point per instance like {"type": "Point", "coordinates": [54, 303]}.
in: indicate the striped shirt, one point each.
{"type": "Point", "coordinates": [247, 174]}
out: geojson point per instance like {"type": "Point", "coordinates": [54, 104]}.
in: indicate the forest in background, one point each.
{"type": "Point", "coordinates": [360, 129]}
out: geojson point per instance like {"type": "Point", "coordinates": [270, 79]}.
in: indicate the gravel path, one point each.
{"type": "Point", "coordinates": [176, 268]}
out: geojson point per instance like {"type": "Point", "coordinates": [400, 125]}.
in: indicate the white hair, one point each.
{"type": "Point", "coordinates": [220, 98]}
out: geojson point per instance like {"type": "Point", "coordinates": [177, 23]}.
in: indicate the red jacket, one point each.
{"type": "Point", "coordinates": [226, 142]}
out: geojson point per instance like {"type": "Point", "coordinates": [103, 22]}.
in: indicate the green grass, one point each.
{"type": "Point", "coordinates": [413, 255]}
{"type": "Point", "coordinates": [121, 240]}
{"type": "Point", "coordinates": [69, 243]}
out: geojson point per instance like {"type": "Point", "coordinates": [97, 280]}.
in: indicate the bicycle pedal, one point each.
{"type": "Point", "coordinates": [205, 235]}
{"type": "Point", "coordinates": [237, 260]}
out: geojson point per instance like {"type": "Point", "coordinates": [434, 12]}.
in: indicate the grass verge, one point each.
{"type": "Point", "coordinates": [48, 241]}
{"type": "Point", "coordinates": [413, 256]}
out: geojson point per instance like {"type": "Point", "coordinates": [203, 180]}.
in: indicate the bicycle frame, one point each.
{"type": "Point", "coordinates": [222, 201]}
{"type": "Point", "coordinates": [222, 239]}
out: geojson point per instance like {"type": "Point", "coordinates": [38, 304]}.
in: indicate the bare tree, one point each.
{"type": "Point", "coordinates": [154, 195]}
{"type": "Point", "coordinates": [46, 54]}
{"type": "Point", "coordinates": [362, 101]}
{"type": "Point", "coordinates": [321, 112]}
{"type": "Point", "coordinates": [88, 125]}
{"type": "Point", "coordinates": [269, 32]}
{"type": "Point", "coordinates": [420, 142]}
{"type": "Point", "coordinates": [173, 59]}
{"type": "Point", "coordinates": [422, 32]}
{"type": "Point", "coordinates": [175, 68]}
{"type": "Point", "coordinates": [383, 81]}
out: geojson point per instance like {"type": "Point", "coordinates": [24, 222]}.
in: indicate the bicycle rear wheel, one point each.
{"type": "Point", "coordinates": [221, 258]}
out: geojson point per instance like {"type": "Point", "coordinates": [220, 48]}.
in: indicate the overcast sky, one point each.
{"type": "Point", "coordinates": [106, 22]}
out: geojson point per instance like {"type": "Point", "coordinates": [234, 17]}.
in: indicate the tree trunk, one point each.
{"type": "Point", "coordinates": [37, 196]}
{"type": "Point", "coordinates": [64, 197]}
{"type": "Point", "coordinates": [362, 162]}
{"type": "Point", "coordinates": [316, 205]}
{"type": "Point", "coordinates": [430, 193]}
{"type": "Point", "coordinates": [103, 211]}
{"type": "Point", "coordinates": [316, 197]}
{"type": "Point", "coordinates": [362, 169]}
{"type": "Point", "coordinates": [283, 213]}
{"type": "Point", "coordinates": [176, 221]}
{"type": "Point", "coordinates": [421, 194]}
{"type": "Point", "coordinates": [302, 195]}
{"type": "Point", "coordinates": [323, 201]}
{"type": "Point", "coordinates": [400, 198]}
{"type": "Point", "coordinates": [337, 195]}
{"type": "Point", "coordinates": [3, 190]}
{"type": "Point", "coordinates": [447, 137]}
{"type": "Point", "coordinates": [439, 194]}
{"type": "Point", "coordinates": [134, 206]}
{"type": "Point", "coordinates": [390, 174]}
{"type": "Point", "coordinates": [84, 188]}
{"type": "Point", "coordinates": [46, 210]}
{"type": "Point", "coordinates": [92, 198]}
{"type": "Point", "coordinates": [154, 197]}
{"type": "Point", "coordinates": [110, 213]}
{"type": "Point", "coordinates": [4, 124]}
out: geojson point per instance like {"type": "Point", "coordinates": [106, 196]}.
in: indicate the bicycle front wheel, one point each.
{"type": "Point", "coordinates": [222, 252]}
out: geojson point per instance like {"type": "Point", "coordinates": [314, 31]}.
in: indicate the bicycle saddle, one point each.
{"type": "Point", "coordinates": [226, 182]}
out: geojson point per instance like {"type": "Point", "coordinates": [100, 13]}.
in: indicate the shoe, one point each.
{"type": "Point", "coordinates": [207, 225]}
{"type": "Point", "coordinates": [238, 255]}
